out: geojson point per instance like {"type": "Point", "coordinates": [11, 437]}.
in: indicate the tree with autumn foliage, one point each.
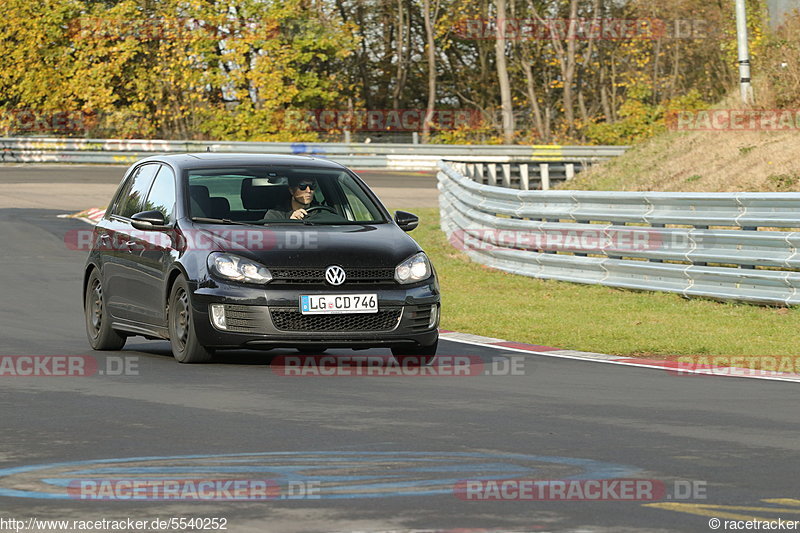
{"type": "Point", "coordinates": [175, 69]}
{"type": "Point", "coordinates": [261, 69]}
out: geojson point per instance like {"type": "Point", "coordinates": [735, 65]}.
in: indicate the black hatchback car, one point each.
{"type": "Point", "coordinates": [216, 251]}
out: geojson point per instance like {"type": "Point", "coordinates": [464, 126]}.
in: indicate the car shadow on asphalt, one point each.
{"type": "Point", "coordinates": [247, 357]}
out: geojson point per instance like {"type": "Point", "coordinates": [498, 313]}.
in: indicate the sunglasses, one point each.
{"type": "Point", "coordinates": [304, 186]}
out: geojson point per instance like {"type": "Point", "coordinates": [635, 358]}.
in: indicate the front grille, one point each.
{"type": "Point", "coordinates": [293, 320]}
{"type": "Point", "coordinates": [246, 318]}
{"type": "Point", "coordinates": [317, 275]}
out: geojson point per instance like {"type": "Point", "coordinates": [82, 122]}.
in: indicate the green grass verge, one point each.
{"type": "Point", "coordinates": [479, 300]}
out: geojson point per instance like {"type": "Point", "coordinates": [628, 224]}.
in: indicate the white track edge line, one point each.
{"type": "Point", "coordinates": [703, 372]}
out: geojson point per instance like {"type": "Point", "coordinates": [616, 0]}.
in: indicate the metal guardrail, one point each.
{"type": "Point", "coordinates": [728, 246]}
{"type": "Point", "coordinates": [519, 174]}
{"type": "Point", "coordinates": [360, 155]}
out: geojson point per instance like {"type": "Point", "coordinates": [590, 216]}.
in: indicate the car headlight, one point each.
{"type": "Point", "coordinates": [415, 268]}
{"type": "Point", "coordinates": [233, 267]}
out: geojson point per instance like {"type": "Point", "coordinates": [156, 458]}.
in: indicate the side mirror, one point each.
{"type": "Point", "coordinates": [406, 221]}
{"type": "Point", "coordinates": [148, 220]}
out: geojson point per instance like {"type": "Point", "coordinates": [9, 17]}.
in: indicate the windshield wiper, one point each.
{"type": "Point", "coordinates": [287, 221]}
{"type": "Point", "coordinates": [223, 221]}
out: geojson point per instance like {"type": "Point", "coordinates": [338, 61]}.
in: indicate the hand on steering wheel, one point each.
{"type": "Point", "coordinates": [319, 207]}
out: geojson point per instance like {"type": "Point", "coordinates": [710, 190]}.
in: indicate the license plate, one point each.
{"type": "Point", "coordinates": [333, 304]}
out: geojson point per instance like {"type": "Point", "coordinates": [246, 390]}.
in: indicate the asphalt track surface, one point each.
{"type": "Point", "coordinates": [382, 453]}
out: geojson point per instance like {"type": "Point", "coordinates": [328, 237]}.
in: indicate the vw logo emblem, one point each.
{"type": "Point", "coordinates": [334, 275]}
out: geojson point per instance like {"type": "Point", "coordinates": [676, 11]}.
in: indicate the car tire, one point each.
{"type": "Point", "coordinates": [182, 334]}
{"type": "Point", "coordinates": [420, 356]}
{"type": "Point", "coordinates": [98, 322]}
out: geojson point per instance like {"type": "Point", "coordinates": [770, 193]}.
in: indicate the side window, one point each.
{"type": "Point", "coordinates": [132, 198]}
{"type": "Point", "coordinates": [228, 187]}
{"type": "Point", "coordinates": [363, 210]}
{"type": "Point", "coordinates": [360, 210]}
{"type": "Point", "coordinates": [114, 208]}
{"type": "Point", "coordinates": [162, 194]}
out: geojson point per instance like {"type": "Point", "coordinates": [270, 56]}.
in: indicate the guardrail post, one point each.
{"type": "Point", "coordinates": [492, 174]}
{"type": "Point", "coordinates": [469, 170]}
{"type": "Point", "coordinates": [506, 175]}
{"type": "Point", "coordinates": [581, 254]}
{"type": "Point", "coordinates": [524, 177]}
{"type": "Point", "coordinates": [544, 173]}
{"type": "Point", "coordinates": [748, 228]}
{"type": "Point", "coordinates": [553, 252]}
{"type": "Point", "coordinates": [700, 263]}
{"type": "Point", "coordinates": [657, 226]}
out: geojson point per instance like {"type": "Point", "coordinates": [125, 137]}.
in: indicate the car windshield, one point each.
{"type": "Point", "coordinates": [270, 195]}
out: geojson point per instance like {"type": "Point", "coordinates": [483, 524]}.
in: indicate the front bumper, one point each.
{"type": "Point", "coordinates": [269, 317]}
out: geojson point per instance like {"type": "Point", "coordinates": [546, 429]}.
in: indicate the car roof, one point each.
{"type": "Point", "coordinates": [215, 159]}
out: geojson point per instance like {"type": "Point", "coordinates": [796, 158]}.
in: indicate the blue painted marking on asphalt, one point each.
{"type": "Point", "coordinates": [322, 461]}
{"type": "Point", "coordinates": [210, 469]}
{"type": "Point", "coordinates": [214, 469]}
{"type": "Point", "coordinates": [494, 467]}
{"type": "Point", "coordinates": [65, 482]}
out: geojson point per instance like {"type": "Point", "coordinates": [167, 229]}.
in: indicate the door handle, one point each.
{"type": "Point", "coordinates": [103, 241]}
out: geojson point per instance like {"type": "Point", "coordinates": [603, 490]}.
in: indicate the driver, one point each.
{"type": "Point", "coordinates": [301, 191]}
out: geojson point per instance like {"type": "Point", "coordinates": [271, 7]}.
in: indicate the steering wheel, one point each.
{"type": "Point", "coordinates": [319, 207]}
